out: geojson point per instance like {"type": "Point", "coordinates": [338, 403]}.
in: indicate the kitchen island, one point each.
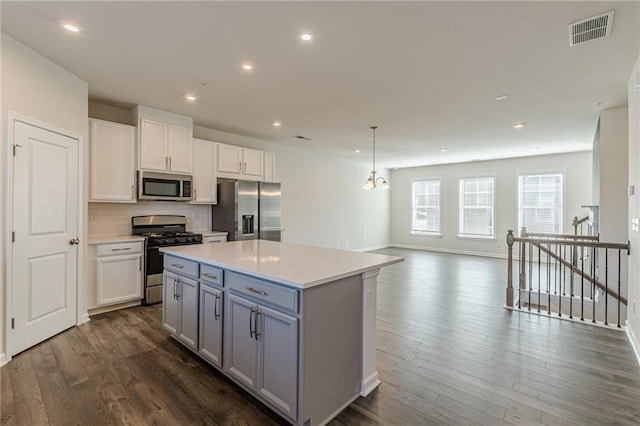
{"type": "Point", "coordinates": [294, 325]}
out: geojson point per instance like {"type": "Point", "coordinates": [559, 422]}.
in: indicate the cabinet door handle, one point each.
{"type": "Point", "coordinates": [121, 249]}
{"type": "Point", "coordinates": [166, 163]}
{"type": "Point", "coordinates": [133, 193]}
{"type": "Point", "coordinates": [255, 325]}
{"type": "Point", "coordinates": [179, 289]}
{"type": "Point", "coordinates": [177, 265]}
{"type": "Point", "coordinates": [140, 264]}
{"type": "Point", "coordinates": [251, 322]}
{"type": "Point", "coordinates": [240, 166]}
{"type": "Point", "coordinates": [175, 283]}
{"type": "Point", "coordinates": [260, 292]}
{"type": "Point", "coordinates": [216, 315]}
{"type": "Point", "coordinates": [195, 194]}
{"type": "Point", "coordinates": [169, 163]}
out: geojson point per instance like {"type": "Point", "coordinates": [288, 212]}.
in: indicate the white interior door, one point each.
{"type": "Point", "coordinates": [45, 223]}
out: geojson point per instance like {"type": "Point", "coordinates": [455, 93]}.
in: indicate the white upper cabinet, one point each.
{"type": "Point", "coordinates": [112, 147]}
{"type": "Point", "coordinates": [253, 164]}
{"type": "Point", "coordinates": [204, 172]}
{"type": "Point", "coordinates": [165, 141]}
{"type": "Point", "coordinates": [235, 162]}
{"type": "Point", "coordinates": [229, 160]}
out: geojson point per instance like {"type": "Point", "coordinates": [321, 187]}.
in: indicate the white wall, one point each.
{"type": "Point", "coordinates": [612, 198]}
{"type": "Point", "coordinates": [36, 87]}
{"type": "Point", "coordinates": [577, 191]}
{"type": "Point", "coordinates": [323, 203]}
{"type": "Point", "coordinates": [633, 314]}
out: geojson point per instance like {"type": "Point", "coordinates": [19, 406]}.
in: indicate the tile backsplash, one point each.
{"type": "Point", "coordinates": [107, 219]}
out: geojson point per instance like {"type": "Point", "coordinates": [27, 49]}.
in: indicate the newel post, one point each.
{"type": "Point", "coordinates": [510, 268]}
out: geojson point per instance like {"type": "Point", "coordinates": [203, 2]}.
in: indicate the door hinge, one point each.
{"type": "Point", "coordinates": [13, 236]}
{"type": "Point", "coordinates": [13, 323]}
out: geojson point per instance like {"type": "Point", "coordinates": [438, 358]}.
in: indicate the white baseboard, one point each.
{"type": "Point", "coordinates": [452, 251]}
{"type": "Point", "coordinates": [3, 359]}
{"type": "Point", "coordinates": [634, 340]}
{"type": "Point", "coordinates": [378, 247]}
{"type": "Point", "coordinates": [84, 318]}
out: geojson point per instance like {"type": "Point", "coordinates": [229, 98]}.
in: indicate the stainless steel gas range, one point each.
{"type": "Point", "coordinates": [160, 231]}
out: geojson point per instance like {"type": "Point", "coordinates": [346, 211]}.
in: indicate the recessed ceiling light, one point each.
{"type": "Point", "coordinates": [191, 98]}
{"type": "Point", "coordinates": [71, 27]}
{"type": "Point", "coordinates": [357, 151]}
{"type": "Point", "coordinates": [277, 124]}
{"type": "Point", "coordinates": [502, 97]}
{"type": "Point", "coordinates": [518, 125]}
{"type": "Point", "coordinates": [306, 37]}
{"type": "Point", "coordinates": [247, 67]}
{"type": "Point", "coordinates": [443, 149]}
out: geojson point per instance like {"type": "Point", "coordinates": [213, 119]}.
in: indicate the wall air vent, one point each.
{"type": "Point", "coordinates": [590, 29]}
{"type": "Point", "coordinates": [302, 138]}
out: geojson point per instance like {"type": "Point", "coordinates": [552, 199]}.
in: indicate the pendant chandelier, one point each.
{"type": "Point", "coordinates": [372, 182]}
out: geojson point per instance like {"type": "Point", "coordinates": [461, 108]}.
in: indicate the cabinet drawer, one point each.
{"type": "Point", "coordinates": [211, 275]}
{"type": "Point", "coordinates": [263, 291]}
{"type": "Point", "coordinates": [118, 248]}
{"type": "Point", "coordinates": [181, 266]}
{"type": "Point", "coordinates": [214, 239]}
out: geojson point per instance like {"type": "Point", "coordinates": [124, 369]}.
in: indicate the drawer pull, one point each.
{"type": "Point", "coordinates": [177, 265]}
{"type": "Point", "coordinates": [213, 277]}
{"type": "Point", "coordinates": [121, 249]}
{"type": "Point", "coordinates": [260, 292]}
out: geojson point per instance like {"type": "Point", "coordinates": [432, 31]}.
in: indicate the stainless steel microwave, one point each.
{"type": "Point", "coordinates": [164, 186]}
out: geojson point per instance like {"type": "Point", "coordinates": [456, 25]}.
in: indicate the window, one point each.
{"type": "Point", "coordinates": [426, 206]}
{"type": "Point", "coordinates": [477, 207]}
{"type": "Point", "coordinates": [540, 203]}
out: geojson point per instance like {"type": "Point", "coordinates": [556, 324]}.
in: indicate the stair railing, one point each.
{"type": "Point", "coordinates": [560, 274]}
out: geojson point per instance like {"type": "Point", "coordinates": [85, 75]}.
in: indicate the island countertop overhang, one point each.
{"type": "Point", "coordinates": [294, 265]}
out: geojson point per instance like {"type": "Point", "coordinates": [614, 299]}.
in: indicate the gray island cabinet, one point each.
{"type": "Point", "coordinates": [294, 325]}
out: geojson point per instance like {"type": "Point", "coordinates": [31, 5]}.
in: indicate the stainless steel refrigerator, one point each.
{"type": "Point", "coordinates": [247, 210]}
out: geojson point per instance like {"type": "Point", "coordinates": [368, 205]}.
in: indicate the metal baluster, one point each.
{"type": "Point", "coordinates": [539, 273]}
{"type": "Point", "coordinates": [561, 268]}
{"type": "Point", "coordinates": [530, 272]}
{"type": "Point", "coordinates": [523, 271]}
{"type": "Point", "coordinates": [555, 273]}
{"type": "Point", "coordinates": [573, 259]}
{"type": "Point", "coordinates": [582, 284]}
{"type": "Point", "coordinates": [619, 288]}
{"type": "Point", "coordinates": [593, 285]}
{"type": "Point", "coordinates": [606, 286]}
{"type": "Point", "coordinates": [549, 278]}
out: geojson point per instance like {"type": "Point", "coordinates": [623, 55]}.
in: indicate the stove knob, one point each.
{"type": "Point", "coordinates": [191, 239]}
{"type": "Point", "coordinates": [172, 240]}
{"type": "Point", "coordinates": [160, 241]}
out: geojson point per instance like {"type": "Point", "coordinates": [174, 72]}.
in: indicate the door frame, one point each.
{"type": "Point", "coordinates": [81, 311]}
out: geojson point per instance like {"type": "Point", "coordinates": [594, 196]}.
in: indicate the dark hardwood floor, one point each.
{"type": "Point", "coordinates": [448, 353]}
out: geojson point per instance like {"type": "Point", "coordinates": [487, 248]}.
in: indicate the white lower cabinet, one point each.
{"type": "Point", "coordinates": [210, 341]}
{"type": "Point", "coordinates": [180, 308]}
{"type": "Point", "coordinates": [262, 351]}
{"type": "Point", "coordinates": [116, 274]}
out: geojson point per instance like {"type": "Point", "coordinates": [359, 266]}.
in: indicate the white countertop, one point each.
{"type": "Point", "coordinates": [114, 239]}
{"type": "Point", "coordinates": [295, 265]}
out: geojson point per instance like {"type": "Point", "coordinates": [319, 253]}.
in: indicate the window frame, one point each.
{"type": "Point", "coordinates": [562, 173]}
{"type": "Point", "coordinates": [413, 207]}
{"type": "Point", "coordinates": [463, 235]}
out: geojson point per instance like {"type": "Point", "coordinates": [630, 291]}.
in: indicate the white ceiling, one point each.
{"type": "Point", "coordinates": [426, 73]}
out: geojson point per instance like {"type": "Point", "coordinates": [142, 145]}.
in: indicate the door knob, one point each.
{"type": "Point", "coordinates": [74, 241]}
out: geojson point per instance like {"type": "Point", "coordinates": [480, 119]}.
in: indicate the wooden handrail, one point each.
{"type": "Point", "coordinates": [538, 242]}
{"type": "Point", "coordinates": [565, 236]}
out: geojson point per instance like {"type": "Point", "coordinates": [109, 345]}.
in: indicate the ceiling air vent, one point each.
{"type": "Point", "coordinates": [303, 138]}
{"type": "Point", "coordinates": [590, 29]}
